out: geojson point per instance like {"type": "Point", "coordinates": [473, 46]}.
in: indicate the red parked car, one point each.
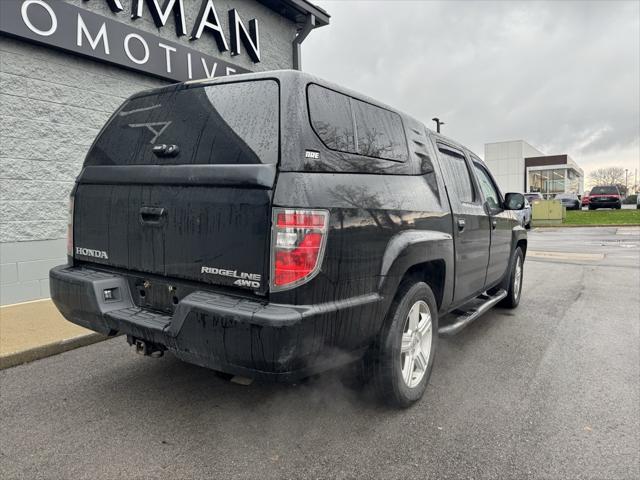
{"type": "Point", "coordinates": [607, 196]}
{"type": "Point", "coordinates": [585, 199]}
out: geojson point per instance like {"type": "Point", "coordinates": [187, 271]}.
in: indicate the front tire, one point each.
{"type": "Point", "coordinates": [402, 360]}
{"type": "Point", "coordinates": [515, 280]}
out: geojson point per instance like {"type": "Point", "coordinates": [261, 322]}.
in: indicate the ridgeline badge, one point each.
{"type": "Point", "coordinates": [243, 279]}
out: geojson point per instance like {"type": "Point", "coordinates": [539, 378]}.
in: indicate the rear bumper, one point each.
{"type": "Point", "coordinates": [572, 205]}
{"type": "Point", "coordinates": [604, 203]}
{"type": "Point", "coordinates": [232, 334]}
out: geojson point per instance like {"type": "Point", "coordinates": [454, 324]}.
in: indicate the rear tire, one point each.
{"type": "Point", "coordinates": [401, 361]}
{"type": "Point", "coordinates": [515, 280]}
{"type": "Point", "coordinates": [591, 207]}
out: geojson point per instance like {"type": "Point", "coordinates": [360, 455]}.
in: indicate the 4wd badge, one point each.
{"type": "Point", "coordinates": [242, 279]}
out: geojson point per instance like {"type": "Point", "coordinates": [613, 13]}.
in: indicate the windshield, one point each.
{"type": "Point", "coordinates": [229, 123]}
{"type": "Point", "coordinates": [608, 190]}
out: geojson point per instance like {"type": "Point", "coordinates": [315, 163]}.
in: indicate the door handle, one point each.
{"type": "Point", "coordinates": [165, 150]}
{"type": "Point", "coordinates": [152, 215]}
{"type": "Point", "coordinates": [494, 224]}
{"type": "Point", "coordinates": [461, 224]}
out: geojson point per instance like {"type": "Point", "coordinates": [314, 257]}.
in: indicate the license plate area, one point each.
{"type": "Point", "coordinates": [156, 295]}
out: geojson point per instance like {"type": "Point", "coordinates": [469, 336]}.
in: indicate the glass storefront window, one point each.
{"type": "Point", "coordinates": [548, 182]}
{"type": "Point", "coordinates": [535, 181]}
{"type": "Point", "coordinates": [573, 181]}
{"type": "Point", "coordinates": [556, 181]}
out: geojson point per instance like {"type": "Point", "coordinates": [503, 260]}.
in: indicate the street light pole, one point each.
{"type": "Point", "coordinates": [626, 180]}
{"type": "Point", "coordinates": [438, 123]}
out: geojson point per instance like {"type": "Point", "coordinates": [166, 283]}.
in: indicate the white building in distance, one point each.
{"type": "Point", "coordinates": [519, 167]}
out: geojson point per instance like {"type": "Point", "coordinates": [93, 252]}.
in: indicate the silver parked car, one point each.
{"type": "Point", "coordinates": [569, 200]}
{"type": "Point", "coordinates": [524, 215]}
{"type": "Point", "coordinates": [533, 196]}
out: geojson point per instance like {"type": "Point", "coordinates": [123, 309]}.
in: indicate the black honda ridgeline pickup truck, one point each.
{"type": "Point", "coordinates": [274, 225]}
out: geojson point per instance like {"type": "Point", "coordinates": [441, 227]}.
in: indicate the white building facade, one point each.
{"type": "Point", "coordinates": [519, 167]}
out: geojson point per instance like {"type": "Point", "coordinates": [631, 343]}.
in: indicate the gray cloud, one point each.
{"type": "Point", "coordinates": [564, 75]}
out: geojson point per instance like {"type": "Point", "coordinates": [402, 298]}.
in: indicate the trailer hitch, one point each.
{"type": "Point", "coordinates": [145, 348]}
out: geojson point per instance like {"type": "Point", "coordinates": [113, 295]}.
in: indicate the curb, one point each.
{"type": "Point", "coordinates": [49, 349]}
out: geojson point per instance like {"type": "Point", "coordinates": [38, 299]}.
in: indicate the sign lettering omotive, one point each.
{"type": "Point", "coordinates": [74, 29]}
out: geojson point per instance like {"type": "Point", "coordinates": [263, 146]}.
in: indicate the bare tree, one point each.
{"type": "Point", "coordinates": [607, 176]}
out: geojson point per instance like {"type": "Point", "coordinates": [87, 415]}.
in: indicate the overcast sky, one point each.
{"type": "Point", "coordinates": [564, 76]}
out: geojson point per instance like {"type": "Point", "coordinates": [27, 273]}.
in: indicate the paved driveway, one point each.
{"type": "Point", "coordinates": [550, 390]}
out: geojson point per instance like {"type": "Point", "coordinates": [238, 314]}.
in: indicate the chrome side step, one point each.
{"type": "Point", "coordinates": [468, 317]}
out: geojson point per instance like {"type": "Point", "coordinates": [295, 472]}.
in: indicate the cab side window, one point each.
{"type": "Point", "coordinates": [457, 175]}
{"type": "Point", "coordinates": [331, 118]}
{"type": "Point", "coordinates": [379, 132]}
{"type": "Point", "coordinates": [349, 125]}
{"type": "Point", "coordinates": [489, 191]}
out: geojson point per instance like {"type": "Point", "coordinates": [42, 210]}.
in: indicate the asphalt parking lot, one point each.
{"type": "Point", "coordinates": [550, 390]}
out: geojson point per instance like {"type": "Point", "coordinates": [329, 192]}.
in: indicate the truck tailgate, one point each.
{"type": "Point", "coordinates": [200, 210]}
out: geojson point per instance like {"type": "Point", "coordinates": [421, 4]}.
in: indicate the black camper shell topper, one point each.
{"type": "Point", "coordinates": [275, 225]}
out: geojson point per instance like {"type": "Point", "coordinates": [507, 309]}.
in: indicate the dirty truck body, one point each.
{"type": "Point", "coordinates": [266, 225]}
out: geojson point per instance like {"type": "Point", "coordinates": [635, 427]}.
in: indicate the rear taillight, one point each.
{"type": "Point", "coordinates": [297, 246]}
{"type": "Point", "coordinates": [70, 229]}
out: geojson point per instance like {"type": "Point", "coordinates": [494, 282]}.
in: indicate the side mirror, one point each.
{"type": "Point", "coordinates": [514, 201]}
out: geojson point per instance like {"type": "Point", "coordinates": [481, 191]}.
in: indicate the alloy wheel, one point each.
{"type": "Point", "coordinates": [517, 278]}
{"type": "Point", "coordinates": [416, 344]}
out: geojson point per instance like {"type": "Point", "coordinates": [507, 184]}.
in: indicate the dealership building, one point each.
{"type": "Point", "coordinates": [66, 65]}
{"type": "Point", "coordinates": [519, 167]}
